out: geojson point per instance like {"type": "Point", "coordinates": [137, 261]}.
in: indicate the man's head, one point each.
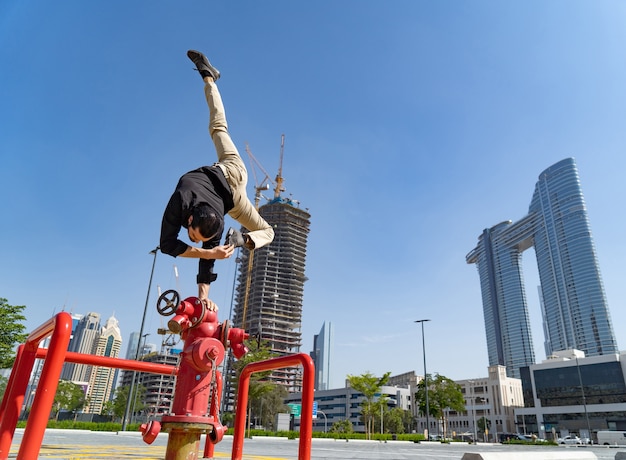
{"type": "Point", "coordinates": [204, 223]}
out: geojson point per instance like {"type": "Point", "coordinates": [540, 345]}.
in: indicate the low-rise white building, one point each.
{"type": "Point", "coordinates": [494, 397]}
{"type": "Point", "coordinates": [573, 394]}
{"type": "Point", "coordinates": [341, 404]}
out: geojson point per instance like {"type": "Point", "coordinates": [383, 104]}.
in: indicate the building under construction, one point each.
{"type": "Point", "coordinates": [159, 388]}
{"type": "Point", "coordinates": [268, 298]}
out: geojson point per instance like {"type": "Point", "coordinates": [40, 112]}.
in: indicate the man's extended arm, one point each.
{"type": "Point", "coordinates": [218, 252]}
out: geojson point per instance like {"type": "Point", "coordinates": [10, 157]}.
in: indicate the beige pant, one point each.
{"type": "Point", "coordinates": [229, 160]}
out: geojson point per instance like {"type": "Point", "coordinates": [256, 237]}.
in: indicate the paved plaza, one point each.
{"type": "Point", "coordinates": [83, 445]}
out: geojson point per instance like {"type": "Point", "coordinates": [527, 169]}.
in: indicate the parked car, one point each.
{"type": "Point", "coordinates": [506, 437]}
{"type": "Point", "coordinates": [523, 437]}
{"type": "Point", "coordinates": [569, 440]}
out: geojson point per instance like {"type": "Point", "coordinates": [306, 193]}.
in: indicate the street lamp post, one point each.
{"type": "Point", "coordinates": [422, 321]}
{"type": "Point", "coordinates": [582, 392]}
{"type": "Point", "coordinates": [325, 420]}
{"type": "Point", "coordinates": [143, 321]}
{"type": "Point", "coordinates": [474, 417]}
{"type": "Point", "coordinates": [473, 395]}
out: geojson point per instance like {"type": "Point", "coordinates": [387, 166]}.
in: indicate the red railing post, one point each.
{"type": "Point", "coordinates": [46, 388]}
{"type": "Point", "coordinates": [13, 399]}
{"type": "Point", "coordinates": [61, 328]}
{"type": "Point", "coordinates": [306, 421]}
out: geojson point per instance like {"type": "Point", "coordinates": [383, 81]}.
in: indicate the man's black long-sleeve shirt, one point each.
{"type": "Point", "coordinates": [203, 185]}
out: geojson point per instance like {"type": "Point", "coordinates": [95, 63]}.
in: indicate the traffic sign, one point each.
{"type": "Point", "coordinates": [295, 409]}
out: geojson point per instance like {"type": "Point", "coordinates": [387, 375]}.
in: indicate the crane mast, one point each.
{"type": "Point", "coordinates": [279, 177]}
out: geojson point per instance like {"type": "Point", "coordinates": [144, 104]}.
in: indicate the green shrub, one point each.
{"type": "Point", "coordinates": [114, 427]}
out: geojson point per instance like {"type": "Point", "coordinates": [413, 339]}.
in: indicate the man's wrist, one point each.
{"type": "Point", "coordinates": [203, 291]}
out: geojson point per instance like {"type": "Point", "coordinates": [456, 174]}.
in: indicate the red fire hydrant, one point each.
{"type": "Point", "coordinates": [195, 409]}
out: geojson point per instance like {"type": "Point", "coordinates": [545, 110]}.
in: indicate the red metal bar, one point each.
{"type": "Point", "coordinates": [13, 398]}
{"type": "Point", "coordinates": [60, 327]}
{"type": "Point", "coordinates": [48, 383]}
{"type": "Point", "coordinates": [11, 380]}
{"type": "Point", "coordinates": [306, 421]}
{"type": "Point", "coordinates": [117, 363]}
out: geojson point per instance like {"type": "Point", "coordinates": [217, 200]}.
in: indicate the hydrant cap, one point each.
{"type": "Point", "coordinates": [174, 325]}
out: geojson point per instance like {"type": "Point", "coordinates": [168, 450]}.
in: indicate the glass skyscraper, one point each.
{"type": "Point", "coordinates": [573, 302]}
{"type": "Point", "coordinates": [321, 354]}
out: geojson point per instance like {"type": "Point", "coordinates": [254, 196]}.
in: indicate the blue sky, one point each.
{"type": "Point", "coordinates": [410, 126]}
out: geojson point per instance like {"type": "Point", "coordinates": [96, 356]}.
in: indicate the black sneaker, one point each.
{"type": "Point", "coordinates": [203, 65]}
{"type": "Point", "coordinates": [234, 237]}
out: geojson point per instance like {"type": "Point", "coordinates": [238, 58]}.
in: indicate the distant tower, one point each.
{"type": "Point", "coordinates": [68, 368]}
{"type": "Point", "coordinates": [321, 354]}
{"type": "Point", "coordinates": [573, 302]}
{"type": "Point", "coordinates": [133, 344]}
{"type": "Point", "coordinates": [268, 301]}
{"type": "Point", "coordinates": [101, 379]}
{"type": "Point", "coordinates": [85, 334]}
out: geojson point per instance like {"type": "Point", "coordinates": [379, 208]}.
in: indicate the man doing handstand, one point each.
{"type": "Point", "coordinates": [205, 195]}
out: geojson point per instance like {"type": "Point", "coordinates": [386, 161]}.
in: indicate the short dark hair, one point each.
{"type": "Point", "coordinates": [207, 221]}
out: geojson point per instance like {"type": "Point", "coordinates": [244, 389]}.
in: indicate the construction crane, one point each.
{"type": "Point", "coordinates": [258, 187]}
{"type": "Point", "coordinates": [279, 177]}
{"type": "Point", "coordinates": [264, 185]}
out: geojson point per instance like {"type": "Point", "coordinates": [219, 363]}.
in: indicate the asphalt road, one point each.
{"type": "Point", "coordinates": [76, 444]}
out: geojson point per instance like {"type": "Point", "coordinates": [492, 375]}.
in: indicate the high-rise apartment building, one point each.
{"type": "Point", "coordinates": [102, 379]}
{"type": "Point", "coordinates": [83, 338]}
{"type": "Point", "coordinates": [573, 302]}
{"type": "Point", "coordinates": [268, 300]}
{"type": "Point", "coordinates": [321, 354]}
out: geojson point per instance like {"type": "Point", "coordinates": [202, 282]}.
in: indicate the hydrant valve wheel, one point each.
{"type": "Point", "coordinates": [168, 302]}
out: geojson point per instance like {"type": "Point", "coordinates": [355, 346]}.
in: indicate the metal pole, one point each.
{"type": "Point", "coordinates": [381, 418]}
{"type": "Point", "coordinates": [143, 321]}
{"type": "Point", "coordinates": [425, 378]}
{"type": "Point", "coordinates": [325, 420]}
{"type": "Point", "coordinates": [582, 391]}
{"type": "Point", "coordinates": [474, 415]}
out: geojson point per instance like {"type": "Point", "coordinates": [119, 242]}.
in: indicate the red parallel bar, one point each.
{"type": "Point", "coordinates": [13, 399]}
{"type": "Point", "coordinates": [306, 420]}
{"type": "Point", "coordinates": [12, 377]}
{"type": "Point", "coordinates": [60, 326]}
{"type": "Point", "coordinates": [117, 363]}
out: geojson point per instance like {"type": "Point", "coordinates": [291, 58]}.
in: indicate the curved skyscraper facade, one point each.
{"type": "Point", "coordinates": [573, 302]}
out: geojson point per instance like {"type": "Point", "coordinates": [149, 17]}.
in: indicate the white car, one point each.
{"type": "Point", "coordinates": [569, 440]}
